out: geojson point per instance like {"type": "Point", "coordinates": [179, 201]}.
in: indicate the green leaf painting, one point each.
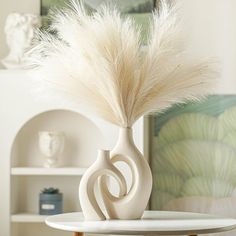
{"type": "Point", "coordinates": [193, 156]}
{"type": "Point", "coordinates": [139, 10]}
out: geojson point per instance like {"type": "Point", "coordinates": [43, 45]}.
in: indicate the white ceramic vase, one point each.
{"type": "Point", "coordinates": [88, 201]}
{"type": "Point", "coordinates": [130, 204]}
{"type": "Point", "coordinates": [51, 145]}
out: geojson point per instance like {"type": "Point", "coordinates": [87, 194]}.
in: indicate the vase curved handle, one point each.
{"type": "Point", "coordinates": [99, 170]}
{"type": "Point", "coordinates": [103, 182]}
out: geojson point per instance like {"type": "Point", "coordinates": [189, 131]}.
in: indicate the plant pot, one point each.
{"type": "Point", "coordinates": [50, 204]}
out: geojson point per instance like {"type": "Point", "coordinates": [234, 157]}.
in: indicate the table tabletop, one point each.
{"type": "Point", "coordinates": [152, 222]}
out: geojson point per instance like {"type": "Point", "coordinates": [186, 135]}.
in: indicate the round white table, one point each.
{"type": "Point", "coordinates": [152, 222]}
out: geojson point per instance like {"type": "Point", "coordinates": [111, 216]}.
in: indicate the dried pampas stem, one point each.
{"type": "Point", "coordinates": [97, 60]}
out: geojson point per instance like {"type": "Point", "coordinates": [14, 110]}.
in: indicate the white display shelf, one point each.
{"type": "Point", "coordinates": [28, 218]}
{"type": "Point", "coordinates": [66, 171]}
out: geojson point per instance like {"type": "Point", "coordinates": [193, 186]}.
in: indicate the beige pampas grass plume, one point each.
{"type": "Point", "coordinates": [98, 61]}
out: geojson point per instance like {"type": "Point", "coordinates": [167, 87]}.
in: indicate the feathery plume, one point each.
{"type": "Point", "coordinates": [98, 61]}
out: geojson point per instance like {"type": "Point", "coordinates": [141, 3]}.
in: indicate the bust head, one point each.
{"type": "Point", "coordinates": [20, 30]}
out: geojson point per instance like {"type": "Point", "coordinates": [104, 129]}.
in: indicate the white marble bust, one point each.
{"type": "Point", "coordinates": [19, 30]}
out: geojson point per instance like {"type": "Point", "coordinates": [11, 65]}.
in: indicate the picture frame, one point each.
{"type": "Point", "coordinates": [188, 144]}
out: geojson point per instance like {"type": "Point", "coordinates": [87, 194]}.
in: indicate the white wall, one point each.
{"type": "Point", "coordinates": [211, 32]}
{"type": "Point", "coordinates": [9, 6]}
{"type": "Point", "coordinates": [17, 105]}
{"type": "Point", "coordinates": [209, 26]}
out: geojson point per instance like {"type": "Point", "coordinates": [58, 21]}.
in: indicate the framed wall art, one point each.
{"type": "Point", "coordinates": [193, 156]}
{"type": "Point", "coordinates": [139, 10]}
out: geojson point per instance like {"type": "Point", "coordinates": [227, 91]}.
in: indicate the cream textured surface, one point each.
{"type": "Point", "coordinates": [130, 203]}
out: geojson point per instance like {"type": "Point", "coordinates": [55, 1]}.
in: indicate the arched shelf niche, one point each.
{"type": "Point", "coordinates": [82, 139]}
